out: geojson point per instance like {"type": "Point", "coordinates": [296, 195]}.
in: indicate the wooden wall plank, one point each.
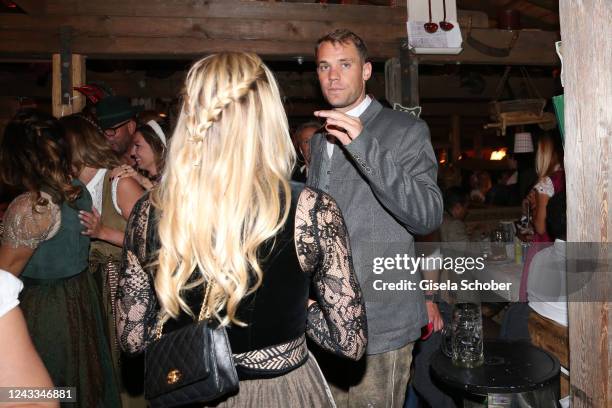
{"type": "Point", "coordinates": [16, 44]}
{"type": "Point", "coordinates": [201, 28]}
{"type": "Point", "coordinates": [588, 129]}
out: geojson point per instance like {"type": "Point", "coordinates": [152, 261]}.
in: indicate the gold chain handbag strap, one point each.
{"type": "Point", "coordinates": [204, 313]}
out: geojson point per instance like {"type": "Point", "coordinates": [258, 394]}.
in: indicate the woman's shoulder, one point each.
{"type": "Point", "coordinates": [31, 203]}
{"type": "Point", "coordinates": [30, 219]}
{"type": "Point", "coordinates": [545, 186]}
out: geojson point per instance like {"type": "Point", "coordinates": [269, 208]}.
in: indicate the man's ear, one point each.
{"type": "Point", "coordinates": [366, 71]}
{"type": "Point", "coordinates": [132, 126]}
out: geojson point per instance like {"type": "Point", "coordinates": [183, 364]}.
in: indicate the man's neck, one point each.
{"type": "Point", "coordinates": [353, 105]}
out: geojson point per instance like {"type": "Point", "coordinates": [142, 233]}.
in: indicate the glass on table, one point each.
{"type": "Point", "coordinates": [467, 344]}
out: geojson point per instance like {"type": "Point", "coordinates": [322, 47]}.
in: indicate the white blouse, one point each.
{"type": "Point", "coordinates": [95, 188]}
{"type": "Point", "coordinates": [10, 286]}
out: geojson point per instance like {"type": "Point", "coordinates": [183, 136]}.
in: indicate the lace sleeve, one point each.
{"type": "Point", "coordinates": [337, 321]}
{"type": "Point", "coordinates": [136, 306]}
{"type": "Point", "coordinates": [27, 225]}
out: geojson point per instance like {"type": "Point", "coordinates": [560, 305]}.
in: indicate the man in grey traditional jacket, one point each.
{"type": "Point", "coordinates": [380, 167]}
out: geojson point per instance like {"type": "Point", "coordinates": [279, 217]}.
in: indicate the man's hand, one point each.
{"type": "Point", "coordinates": [343, 127]}
{"type": "Point", "coordinates": [433, 313]}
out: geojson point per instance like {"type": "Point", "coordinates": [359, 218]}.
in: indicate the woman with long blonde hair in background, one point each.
{"type": "Point", "coordinates": [224, 215]}
{"type": "Point", "coordinates": [551, 180]}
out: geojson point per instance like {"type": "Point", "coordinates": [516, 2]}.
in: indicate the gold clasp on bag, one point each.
{"type": "Point", "coordinates": [173, 376]}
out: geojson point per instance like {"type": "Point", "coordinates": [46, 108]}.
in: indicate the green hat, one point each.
{"type": "Point", "coordinates": [113, 110]}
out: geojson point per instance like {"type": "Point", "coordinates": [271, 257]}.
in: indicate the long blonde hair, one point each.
{"type": "Point", "coordinates": [225, 189]}
{"type": "Point", "coordinates": [548, 156]}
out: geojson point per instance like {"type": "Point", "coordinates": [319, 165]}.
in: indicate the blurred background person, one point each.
{"type": "Point", "coordinates": [149, 153]}
{"type": "Point", "coordinates": [92, 159]}
{"type": "Point", "coordinates": [551, 181]}
{"type": "Point", "coordinates": [20, 365]}
{"type": "Point", "coordinates": [301, 142]}
{"type": "Point", "coordinates": [44, 244]}
{"type": "Point", "coordinates": [117, 117]}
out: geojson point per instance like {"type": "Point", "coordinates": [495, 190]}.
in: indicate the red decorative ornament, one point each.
{"type": "Point", "coordinates": [93, 93]}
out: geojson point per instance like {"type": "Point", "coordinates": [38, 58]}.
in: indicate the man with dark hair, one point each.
{"type": "Point", "coordinates": [117, 117]}
{"type": "Point", "coordinates": [379, 166]}
{"type": "Point", "coordinates": [453, 228]}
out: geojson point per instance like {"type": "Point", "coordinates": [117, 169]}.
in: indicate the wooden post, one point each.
{"type": "Point", "coordinates": [77, 73]}
{"type": "Point", "coordinates": [455, 137]}
{"type": "Point", "coordinates": [588, 132]}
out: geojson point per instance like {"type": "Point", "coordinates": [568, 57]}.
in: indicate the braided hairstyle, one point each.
{"type": "Point", "coordinates": [225, 189]}
{"type": "Point", "coordinates": [35, 157]}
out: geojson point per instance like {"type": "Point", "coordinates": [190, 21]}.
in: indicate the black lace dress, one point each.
{"type": "Point", "coordinates": [311, 252]}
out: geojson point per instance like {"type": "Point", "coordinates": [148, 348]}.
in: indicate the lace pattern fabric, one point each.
{"type": "Point", "coordinates": [337, 321]}
{"type": "Point", "coordinates": [136, 303]}
{"type": "Point", "coordinates": [27, 224]}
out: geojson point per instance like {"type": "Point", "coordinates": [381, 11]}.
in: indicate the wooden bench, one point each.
{"type": "Point", "coordinates": [554, 338]}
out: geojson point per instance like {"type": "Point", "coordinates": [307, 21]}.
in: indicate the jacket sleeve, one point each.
{"type": "Point", "coordinates": [403, 180]}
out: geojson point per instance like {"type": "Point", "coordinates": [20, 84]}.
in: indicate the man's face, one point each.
{"type": "Point", "coordinates": [120, 137]}
{"type": "Point", "coordinates": [302, 140]}
{"type": "Point", "coordinates": [342, 74]}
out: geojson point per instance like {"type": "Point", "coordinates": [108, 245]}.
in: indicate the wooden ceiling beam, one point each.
{"type": "Point", "coordinates": [14, 44]}
{"type": "Point", "coordinates": [199, 28]}
{"type": "Point", "coordinates": [532, 47]}
{"type": "Point", "coordinates": [234, 9]}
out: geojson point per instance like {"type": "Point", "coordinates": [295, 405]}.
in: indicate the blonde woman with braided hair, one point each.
{"type": "Point", "coordinates": [225, 215]}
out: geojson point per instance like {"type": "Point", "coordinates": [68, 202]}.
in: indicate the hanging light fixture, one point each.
{"type": "Point", "coordinates": [523, 142]}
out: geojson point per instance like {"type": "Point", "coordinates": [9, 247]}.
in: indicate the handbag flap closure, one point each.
{"type": "Point", "coordinates": [179, 358]}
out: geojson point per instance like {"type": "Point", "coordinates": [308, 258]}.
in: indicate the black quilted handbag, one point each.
{"type": "Point", "coordinates": [191, 364]}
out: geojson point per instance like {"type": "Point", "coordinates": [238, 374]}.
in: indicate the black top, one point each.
{"type": "Point", "coordinates": [312, 248]}
{"type": "Point", "coordinates": [509, 367]}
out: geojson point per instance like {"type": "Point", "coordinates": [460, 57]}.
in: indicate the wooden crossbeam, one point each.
{"type": "Point", "coordinates": [232, 9]}
{"type": "Point", "coordinates": [199, 28]}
